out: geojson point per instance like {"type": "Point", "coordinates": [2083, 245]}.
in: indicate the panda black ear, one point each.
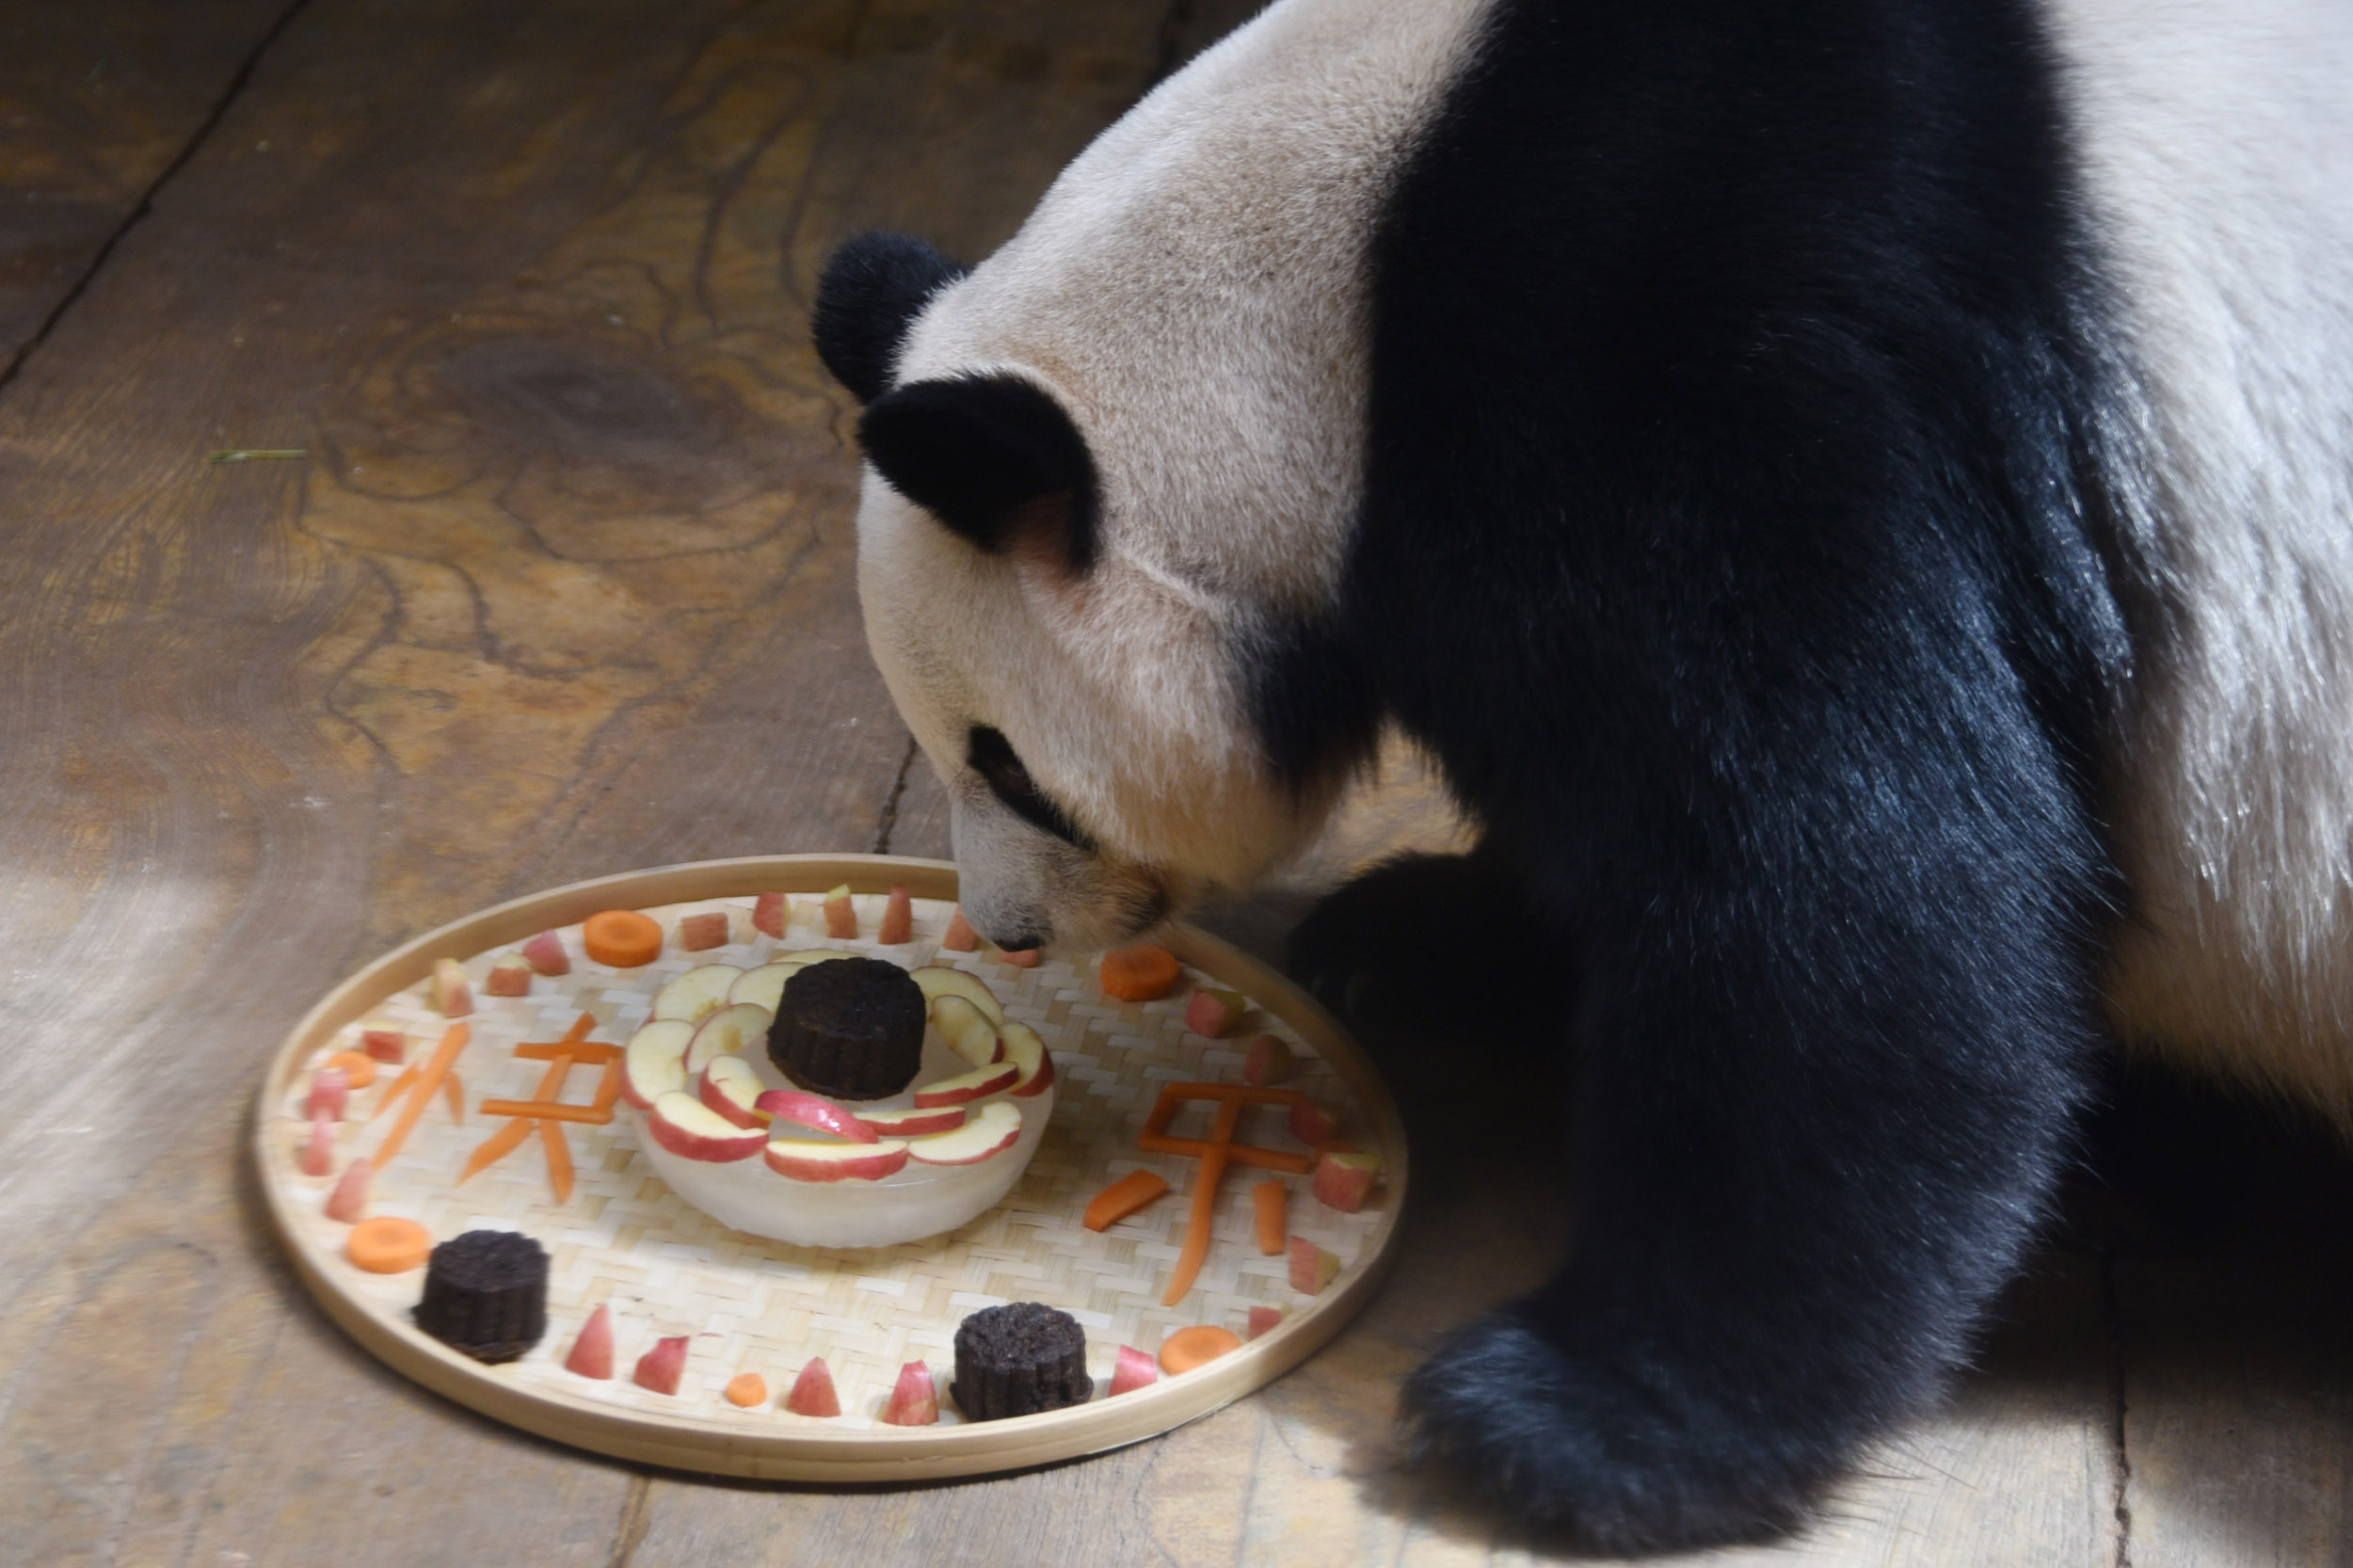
{"type": "Point", "coordinates": [872, 288]}
{"type": "Point", "coordinates": [996, 460]}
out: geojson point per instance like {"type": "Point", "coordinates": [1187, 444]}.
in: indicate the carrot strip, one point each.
{"type": "Point", "coordinates": [591, 1052]}
{"type": "Point", "coordinates": [548, 1111]}
{"type": "Point", "coordinates": [1139, 973]}
{"type": "Point", "coordinates": [559, 1157]}
{"type": "Point", "coordinates": [1188, 1347]}
{"type": "Point", "coordinates": [508, 1138]}
{"type": "Point", "coordinates": [428, 1084]}
{"type": "Point", "coordinates": [400, 1085]}
{"type": "Point", "coordinates": [454, 1089]}
{"type": "Point", "coordinates": [1124, 1198]}
{"type": "Point", "coordinates": [1241, 1154]}
{"type": "Point", "coordinates": [1273, 1222]}
{"type": "Point", "coordinates": [609, 1087]}
{"type": "Point", "coordinates": [621, 938]}
{"type": "Point", "coordinates": [1196, 1247]}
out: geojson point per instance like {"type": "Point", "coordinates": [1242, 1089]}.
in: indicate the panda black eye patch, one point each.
{"type": "Point", "coordinates": [991, 756]}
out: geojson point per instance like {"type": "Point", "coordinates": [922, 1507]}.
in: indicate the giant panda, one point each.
{"type": "Point", "coordinates": [1856, 496]}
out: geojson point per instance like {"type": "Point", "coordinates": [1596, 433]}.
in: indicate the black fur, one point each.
{"type": "Point", "coordinates": [978, 452]}
{"type": "Point", "coordinates": [872, 288]}
{"type": "Point", "coordinates": [1730, 536]}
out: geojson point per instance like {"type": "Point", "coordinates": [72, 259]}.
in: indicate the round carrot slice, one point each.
{"type": "Point", "coordinates": [622, 937]}
{"type": "Point", "coordinates": [1188, 1347]}
{"type": "Point", "coordinates": [1140, 973]}
{"type": "Point", "coordinates": [747, 1389]}
{"type": "Point", "coordinates": [389, 1247]}
{"type": "Point", "coordinates": [358, 1064]}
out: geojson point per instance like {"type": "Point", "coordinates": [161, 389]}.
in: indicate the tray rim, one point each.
{"type": "Point", "coordinates": [720, 1447]}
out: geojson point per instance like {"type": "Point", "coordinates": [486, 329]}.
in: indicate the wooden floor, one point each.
{"type": "Point", "coordinates": [560, 584]}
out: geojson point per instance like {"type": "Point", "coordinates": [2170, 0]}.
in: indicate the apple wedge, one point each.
{"type": "Point", "coordinates": [509, 976]}
{"type": "Point", "coordinates": [698, 932]}
{"type": "Point", "coordinates": [1267, 1060]}
{"type": "Point", "coordinates": [995, 1127]}
{"type": "Point", "coordinates": [451, 996]}
{"type": "Point", "coordinates": [769, 913]}
{"type": "Point", "coordinates": [545, 952]}
{"type": "Point", "coordinates": [1212, 1011]}
{"type": "Point", "coordinates": [938, 980]}
{"type": "Point", "coordinates": [729, 1032]}
{"type": "Point", "coordinates": [731, 1087]}
{"type": "Point", "coordinates": [1266, 1319]}
{"type": "Point", "coordinates": [968, 1031]}
{"type": "Point", "coordinates": [592, 1352]}
{"type": "Point", "coordinates": [813, 1111]}
{"type": "Point", "coordinates": [762, 986]}
{"type": "Point", "coordinates": [697, 993]}
{"type": "Point", "coordinates": [979, 1083]}
{"type": "Point", "coordinates": [813, 1392]}
{"type": "Point", "coordinates": [1312, 1267]}
{"type": "Point", "coordinates": [915, 1399]}
{"type": "Point", "coordinates": [898, 922]}
{"type": "Point", "coordinates": [915, 1120]}
{"type": "Point", "coordinates": [809, 1160]}
{"type": "Point", "coordinates": [385, 1044]}
{"type": "Point", "coordinates": [662, 1367]}
{"type": "Point", "coordinates": [1344, 1180]}
{"type": "Point", "coordinates": [841, 915]}
{"type": "Point", "coordinates": [1025, 1050]}
{"type": "Point", "coordinates": [691, 1129]}
{"type": "Point", "coordinates": [960, 937]}
{"type": "Point", "coordinates": [654, 1063]}
{"type": "Point", "coordinates": [1312, 1124]}
{"type": "Point", "coordinates": [1135, 1370]}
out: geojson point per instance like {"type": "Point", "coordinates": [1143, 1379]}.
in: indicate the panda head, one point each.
{"type": "Point", "coordinates": [1085, 558]}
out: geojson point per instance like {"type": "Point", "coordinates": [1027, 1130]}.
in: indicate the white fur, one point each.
{"type": "Point", "coordinates": [2217, 146]}
{"type": "Point", "coordinates": [1192, 290]}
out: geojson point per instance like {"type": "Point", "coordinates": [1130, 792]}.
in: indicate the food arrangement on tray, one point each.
{"type": "Point", "coordinates": [763, 1143]}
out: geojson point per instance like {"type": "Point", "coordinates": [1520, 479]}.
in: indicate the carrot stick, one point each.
{"type": "Point", "coordinates": [1273, 1226]}
{"type": "Point", "coordinates": [559, 1159]}
{"type": "Point", "coordinates": [400, 1084]}
{"type": "Point", "coordinates": [428, 1084]}
{"type": "Point", "coordinates": [508, 1138]}
{"type": "Point", "coordinates": [1204, 1204]}
{"type": "Point", "coordinates": [1123, 1197]}
{"type": "Point", "coordinates": [609, 1087]}
{"type": "Point", "coordinates": [1139, 973]}
{"type": "Point", "coordinates": [546, 1110]}
{"type": "Point", "coordinates": [595, 1053]}
{"type": "Point", "coordinates": [1240, 1154]}
{"type": "Point", "coordinates": [454, 1089]}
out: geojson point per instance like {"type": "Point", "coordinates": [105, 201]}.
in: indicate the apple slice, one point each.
{"type": "Point", "coordinates": [915, 1401]}
{"type": "Point", "coordinates": [1267, 1060]}
{"type": "Point", "coordinates": [1025, 1050]}
{"type": "Point", "coordinates": [811, 1159]}
{"type": "Point", "coordinates": [898, 922]}
{"type": "Point", "coordinates": [450, 992]}
{"type": "Point", "coordinates": [385, 1044]}
{"type": "Point", "coordinates": [691, 1129]}
{"type": "Point", "coordinates": [330, 1093]}
{"type": "Point", "coordinates": [813, 1391]}
{"type": "Point", "coordinates": [1266, 1319]}
{"type": "Point", "coordinates": [960, 937]}
{"type": "Point", "coordinates": [1344, 1180]}
{"type": "Point", "coordinates": [914, 1121]}
{"type": "Point", "coordinates": [545, 952]}
{"type": "Point", "coordinates": [841, 915]}
{"type": "Point", "coordinates": [729, 1032]}
{"type": "Point", "coordinates": [696, 933]}
{"type": "Point", "coordinates": [348, 1202]}
{"type": "Point", "coordinates": [769, 913]}
{"type": "Point", "coordinates": [995, 1127]}
{"type": "Point", "coordinates": [510, 976]}
{"type": "Point", "coordinates": [731, 1087]}
{"type": "Point", "coordinates": [938, 980]}
{"type": "Point", "coordinates": [592, 1352]}
{"type": "Point", "coordinates": [968, 1031]}
{"type": "Point", "coordinates": [662, 1367]}
{"type": "Point", "coordinates": [979, 1083]}
{"type": "Point", "coordinates": [1135, 1370]}
{"type": "Point", "coordinates": [654, 1063]}
{"type": "Point", "coordinates": [697, 993]}
{"type": "Point", "coordinates": [813, 1111]}
{"type": "Point", "coordinates": [1212, 1011]}
{"type": "Point", "coordinates": [1312, 1267]}
{"type": "Point", "coordinates": [1311, 1123]}
{"type": "Point", "coordinates": [318, 1152]}
{"type": "Point", "coordinates": [764, 985]}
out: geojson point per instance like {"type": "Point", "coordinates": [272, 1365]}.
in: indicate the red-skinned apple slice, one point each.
{"type": "Point", "coordinates": [813, 1111]}
{"type": "Point", "coordinates": [968, 1031]}
{"type": "Point", "coordinates": [809, 1159]}
{"type": "Point", "coordinates": [691, 1129]}
{"type": "Point", "coordinates": [938, 980]}
{"type": "Point", "coordinates": [385, 1044]}
{"type": "Point", "coordinates": [963, 1088]}
{"type": "Point", "coordinates": [662, 1367]}
{"type": "Point", "coordinates": [451, 995]}
{"type": "Point", "coordinates": [699, 932]}
{"type": "Point", "coordinates": [696, 994]}
{"type": "Point", "coordinates": [509, 976]}
{"type": "Point", "coordinates": [654, 1061]}
{"type": "Point", "coordinates": [545, 952]}
{"type": "Point", "coordinates": [731, 1087]}
{"type": "Point", "coordinates": [592, 1352]}
{"type": "Point", "coordinates": [960, 937]}
{"type": "Point", "coordinates": [915, 1399]}
{"type": "Point", "coordinates": [841, 915]}
{"type": "Point", "coordinates": [769, 913]}
{"type": "Point", "coordinates": [1312, 1267]}
{"type": "Point", "coordinates": [915, 1120]}
{"type": "Point", "coordinates": [898, 922]}
{"type": "Point", "coordinates": [764, 985]}
{"type": "Point", "coordinates": [1135, 1370]}
{"type": "Point", "coordinates": [1266, 1319]}
{"type": "Point", "coordinates": [813, 1391]}
{"type": "Point", "coordinates": [992, 1130]}
{"type": "Point", "coordinates": [729, 1032]}
{"type": "Point", "coordinates": [1344, 1180]}
{"type": "Point", "coordinates": [1268, 1060]}
{"type": "Point", "coordinates": [1025, 1050]}
{"type": "Point", "coordinates": [1212, 1011]}
{"type": "Point", "coordinates": [1311, 1123]}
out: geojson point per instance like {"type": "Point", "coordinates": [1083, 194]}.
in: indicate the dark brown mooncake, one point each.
{"type": "Point", "coordinates": [1017, 1360]}
{"type": "Point", "coordinates": [849, 1029]}
{"type": "Point", "coordinates": [485, 1293]}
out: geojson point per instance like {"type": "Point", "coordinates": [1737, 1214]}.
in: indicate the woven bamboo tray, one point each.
{"type": "Point", "coordinates": [759, 1306]}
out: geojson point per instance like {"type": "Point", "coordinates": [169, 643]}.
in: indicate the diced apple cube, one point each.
{"type": "Point", "coordinates": [348, 1202]}
{"type": "Point", "coordinates": [545, 952]}
{"type": "Point", "coordinates": [915, 1401]}
{"type": "Point", "coordinates": [318, 1150]}
{"type": "Point", "coordinates": [451, 994]}
{"type": "Point", "coordinates": [813, 1392]}
{"type": "Point", "coordinates": [840, 917]}
{"type": "Point", "coordinates": [1312, 1267]}
{"type": "Point", "coordinates": [662, 1367]}
{"type": "Point", "coordinates": [1344, 1180]}
{"type": "Point", "coordinates": [696, 933]}
{"type": "Point", "coordinates": [1311, 1123]}
{"type": "Point", "coordinates": [960, 937]}
{"type": "Point", "coordinates": [510, 976]}
{"type": "Point", "coordinates": [1268, 1060]}
{"type": "Point", "coordinates": [592, 1352]}
{"type": "Point", "coordinates": [385, 1044]}
{"type": "Point", "coordinates": [330, 1093]}
{"type": "Point", "coordinates": [769, 914]}
{"type": "Point", "coordinates": [898, 922]}
{"type": "Point", "coordinates": [1263, 1320]}
{"type": "Point", "coordinates": [1135, 1370]}
{"type": "Point", "coordinates": [1211, 1013]}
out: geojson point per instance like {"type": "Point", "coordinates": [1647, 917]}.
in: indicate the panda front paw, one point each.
{"type": "Point", "coordinates": [1579, 1447]}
